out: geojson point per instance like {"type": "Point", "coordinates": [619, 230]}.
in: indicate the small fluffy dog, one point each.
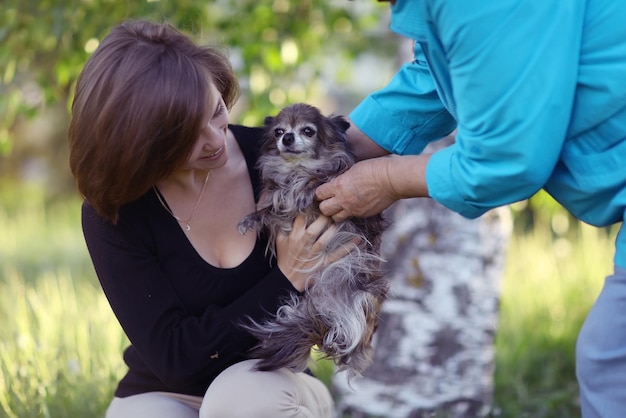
{"type": "Point", "coordinates": [338, 312]}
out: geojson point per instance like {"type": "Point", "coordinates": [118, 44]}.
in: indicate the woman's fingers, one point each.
{"type": "Point", "coordinates": [342, 250]}
{"type": "Point", "coordinates": [318, 228]}
{"type": "Point", "coordinates": [305, 248]}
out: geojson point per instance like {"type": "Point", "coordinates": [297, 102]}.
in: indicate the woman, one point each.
{"type": "Point", "coordinates": [166, 179]}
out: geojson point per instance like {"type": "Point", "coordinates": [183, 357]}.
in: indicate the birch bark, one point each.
{"type": "Point", "coordinates": [435, 342]}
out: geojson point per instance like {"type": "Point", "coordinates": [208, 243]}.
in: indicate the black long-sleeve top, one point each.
{"type": "Point", "coordinates": [180, 313]}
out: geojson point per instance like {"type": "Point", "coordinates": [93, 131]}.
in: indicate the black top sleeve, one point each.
{"type": "Point", "coordinates": [180, 313]}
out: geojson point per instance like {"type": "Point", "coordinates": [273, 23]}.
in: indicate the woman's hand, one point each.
{"type": "Point", "coordinates": [299, 252]}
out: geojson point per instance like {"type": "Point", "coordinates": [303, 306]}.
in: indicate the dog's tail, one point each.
{"type": "Point", "coordinates": [287, 340]}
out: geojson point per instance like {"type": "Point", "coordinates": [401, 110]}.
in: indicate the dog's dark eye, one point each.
{"type": "Point", "coordinates": [279, 132]}
{"type": "Point", "coordinates": [308, 131]}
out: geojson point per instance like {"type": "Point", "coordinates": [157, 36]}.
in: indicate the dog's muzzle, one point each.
{"type": "Point", "coordinates": [288, 139]}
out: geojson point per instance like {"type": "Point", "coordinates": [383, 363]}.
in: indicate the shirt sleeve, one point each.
{"type": "Point", "coordinates": [182, 348]}
{"type": "Point", "coordinates": [407, 114]}
{"type": "Point", "coordinates": [512, 71]}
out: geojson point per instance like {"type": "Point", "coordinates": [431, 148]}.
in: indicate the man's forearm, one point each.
{"type": "Point", "coordinates": [407, 175]}
{"type": "Point", "coordinates": [362, 146]}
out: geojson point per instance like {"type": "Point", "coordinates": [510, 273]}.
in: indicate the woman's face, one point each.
{"type": "Point", "coordinates": [210, 150]}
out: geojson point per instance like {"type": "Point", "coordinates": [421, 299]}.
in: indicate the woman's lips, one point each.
{"type": "Point", "coordinates": [214, 154]}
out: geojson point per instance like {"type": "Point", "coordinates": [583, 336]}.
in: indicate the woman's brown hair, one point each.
{"type": "Point", "coordinates": [138, 109]}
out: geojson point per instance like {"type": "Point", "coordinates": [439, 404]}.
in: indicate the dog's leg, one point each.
{"type": "Point", "coordinates": [252, 221]}
{"type": "Point", "coordinates": [305, 199]}
{"type": "Point", "coordinates": [358, 357]}
{"type": "Point", "coordinates": [349, 293]}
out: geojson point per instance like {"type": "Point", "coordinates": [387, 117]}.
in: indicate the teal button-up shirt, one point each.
{"type": "Point", "coordinates": [537, 91]}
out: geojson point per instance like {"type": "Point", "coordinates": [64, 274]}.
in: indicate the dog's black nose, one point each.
{"type": "Point", "coordinates": [288, 139]}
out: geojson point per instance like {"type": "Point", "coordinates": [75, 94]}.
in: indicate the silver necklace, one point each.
{"type": "Point", "coordinates": [186, 223]}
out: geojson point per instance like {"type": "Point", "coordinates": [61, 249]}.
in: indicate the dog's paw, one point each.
{"type": "Point", "coordinates": [247, 224]}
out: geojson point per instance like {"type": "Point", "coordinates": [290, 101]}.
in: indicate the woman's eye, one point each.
{"type": "Point", "coordinates": [308, 131]}
{"type": "Point", "coordinates": [221, 108]}
{"type": "Point", "coordinates": [278, 132]}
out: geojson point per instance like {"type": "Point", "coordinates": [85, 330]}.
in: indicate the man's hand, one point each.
{"type": "Point", "coordinates": [371, 186]}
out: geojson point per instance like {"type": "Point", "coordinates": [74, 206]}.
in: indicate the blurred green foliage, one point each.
{"type": "Point", "coordinates": [279, 46]}
{"type": "Point", "coordinates": [283, 51]}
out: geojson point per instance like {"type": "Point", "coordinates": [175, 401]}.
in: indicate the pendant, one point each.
{"type": "Point", "coordinates": [188, 227]}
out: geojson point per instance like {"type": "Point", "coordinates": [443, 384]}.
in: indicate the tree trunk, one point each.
{"type": "Point", "coordinates": [435, 342]}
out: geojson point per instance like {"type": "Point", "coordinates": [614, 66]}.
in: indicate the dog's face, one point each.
{"type": "Point", "coordinates": [300, 131]}
{"type": "Point", "coordinates": [295, 137]}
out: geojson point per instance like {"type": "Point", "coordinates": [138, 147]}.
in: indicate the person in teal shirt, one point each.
{"type": "Point", "coordinates": [536, 91]}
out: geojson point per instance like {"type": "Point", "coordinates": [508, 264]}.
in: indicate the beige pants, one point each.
{"type": "Point", "coordinates": [238, 392]}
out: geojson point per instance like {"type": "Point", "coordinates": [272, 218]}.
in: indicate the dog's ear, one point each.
{"type": "Point", "coordinates": [341, 123]}
{"type": "Point", "coordinates": [268, 120]}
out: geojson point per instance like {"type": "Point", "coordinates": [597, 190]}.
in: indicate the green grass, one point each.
{"type": "Point", "coordinates": [60, 345]}
{"type": "Point", "coordinates": [548, 288]}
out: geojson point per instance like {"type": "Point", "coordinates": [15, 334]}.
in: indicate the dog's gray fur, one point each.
{"type": "Point", "coordinates": [339, 310]}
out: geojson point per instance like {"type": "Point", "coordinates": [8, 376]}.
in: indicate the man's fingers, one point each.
{"type": "Point", "coordinates": [341, 216]}
{"type": "Point", "coordinates": [324, 191]}
{"type": "Point", "coordinates": [330, 207]}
